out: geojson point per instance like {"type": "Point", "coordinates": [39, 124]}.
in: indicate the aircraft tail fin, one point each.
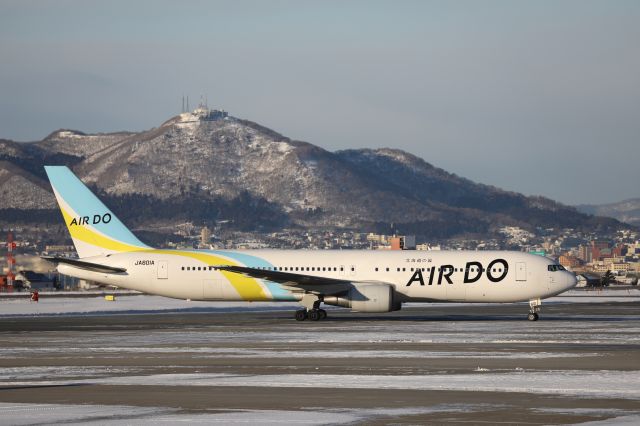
{"type": "Point", "coordinates": [94, 229]}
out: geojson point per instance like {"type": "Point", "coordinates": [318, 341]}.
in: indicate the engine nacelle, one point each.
{"type": "Point", "coordinates": [367, 298]}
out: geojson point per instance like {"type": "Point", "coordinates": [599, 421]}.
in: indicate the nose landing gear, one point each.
{"type": "Point", "coordinates": [534, 308]}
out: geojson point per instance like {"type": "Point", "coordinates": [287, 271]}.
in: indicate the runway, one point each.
{"type": "Point", "coordinates": [424, 364]}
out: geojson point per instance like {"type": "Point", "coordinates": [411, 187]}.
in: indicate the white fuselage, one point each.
{"type": "Point", "coordinates": [417, 276]}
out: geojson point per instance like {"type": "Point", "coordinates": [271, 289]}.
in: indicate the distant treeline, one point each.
{"type": "Point", "coordinates": [244, 212]}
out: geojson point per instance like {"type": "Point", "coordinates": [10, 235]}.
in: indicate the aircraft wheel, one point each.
{"type": "Point", "coordinates": [301, 315]}
{"type": "Point", "coordinates": [532, 316]}
{"type": "Point", "coordinates": [314, 315]}
{"type": "Point", "coordinates": [323, 314]}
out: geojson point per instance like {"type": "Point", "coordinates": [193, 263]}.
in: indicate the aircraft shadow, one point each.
{"type": "Point", "coordinates": [474, 318]}
{"type": "Point", "coordinates": [18, 387]}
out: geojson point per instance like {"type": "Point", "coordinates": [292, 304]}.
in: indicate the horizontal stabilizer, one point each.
{"type": "Point", "coordinates": [89, 266]}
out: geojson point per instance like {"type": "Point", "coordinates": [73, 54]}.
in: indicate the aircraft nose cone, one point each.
{"type": "Point", "coordinates": [571, 280]}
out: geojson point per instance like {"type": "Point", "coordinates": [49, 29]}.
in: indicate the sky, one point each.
{"type": "Point", "coordinates": [539, 97]}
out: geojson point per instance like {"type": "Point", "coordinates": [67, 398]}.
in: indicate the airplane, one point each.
{"type": "Point", "coordinates": [373, 281]}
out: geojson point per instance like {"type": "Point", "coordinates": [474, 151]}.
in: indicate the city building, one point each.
{"type": "Point", "coordinates": [584, 253]}
{"type": "Point", "coordinates": [205, 237]}
{"type": "Point", "coordinates": [569, 262]}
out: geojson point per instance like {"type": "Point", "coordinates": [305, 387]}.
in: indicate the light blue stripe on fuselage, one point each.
{"type": "Point", "coordinates": [248, 260]}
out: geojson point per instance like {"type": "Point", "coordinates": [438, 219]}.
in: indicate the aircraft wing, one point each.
{"type": "Point", "coordinates": [299, 282]}
{"type": "Point", "coordinates": [89, 266]}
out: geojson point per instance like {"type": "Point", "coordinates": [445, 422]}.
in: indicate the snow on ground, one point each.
{"type": "Point", "coordinates": [584, 295]}
{"type": "Point", "coordinates": [631, 420]}
{"type": "Point", "coordinates": [211, 352]}
{"type": "Point", "coordinates": [404, 334]}
{"type": "Point", "coordinates": [45, 372]}
{"type": "Point", "coordinates": [29, 414]}
{"type": "Point", "coordinates": [154, 304]}
{"type": "Point", "coordinates": [412, 339]}
{"type": "Point", "coordinates": [611, 384]}
{"type": "Point", "coordinates": [125, 305]}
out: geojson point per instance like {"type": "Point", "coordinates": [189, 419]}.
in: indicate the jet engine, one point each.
{"type": "Point", "coordinates": [367, 298]}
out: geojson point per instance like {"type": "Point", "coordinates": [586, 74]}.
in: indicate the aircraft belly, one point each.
{"type": "Point", "coordinates": [470, 292]}
{"type": "Point", "coordinates": [503, 292]}
{"type": "Point", "coordinates": [425, 292]}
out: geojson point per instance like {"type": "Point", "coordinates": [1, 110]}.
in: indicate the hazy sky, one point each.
{"type": "Point", "coordinates": [539, 97]}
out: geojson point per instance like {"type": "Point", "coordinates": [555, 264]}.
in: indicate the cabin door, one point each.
{"type": "Point", "coordinates": [163, 269]}
{"type": "Point", "coordinates": [521, 271]}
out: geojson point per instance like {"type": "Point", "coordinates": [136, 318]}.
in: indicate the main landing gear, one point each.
{"type": "Point", "coordinates": [534, 308]}
{"type": "Point", "coordinates": [311, 310]}
{"type": "Point", "coordinates": [311, 315]}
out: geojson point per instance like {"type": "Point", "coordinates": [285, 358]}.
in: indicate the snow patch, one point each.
{"type": "Point", "coordinates": [27, 414]}
{"type": "Point", "coordinates": [577, 383]}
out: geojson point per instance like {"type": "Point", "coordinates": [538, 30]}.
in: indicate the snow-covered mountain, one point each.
{"type": "Point", "coordinates": [625, 211]}
{"type": "Point", "coordinates": [202, 168]}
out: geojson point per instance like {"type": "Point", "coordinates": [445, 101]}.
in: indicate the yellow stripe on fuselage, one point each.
{"type": "Point", "coordinates": [248, 288]}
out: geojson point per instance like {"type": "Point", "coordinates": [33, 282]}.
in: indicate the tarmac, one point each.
{"type": "Point", "coordinates": [466, 364]}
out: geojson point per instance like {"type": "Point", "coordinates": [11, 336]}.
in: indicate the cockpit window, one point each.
{"type": "Point", "coordinates": [553, 268]}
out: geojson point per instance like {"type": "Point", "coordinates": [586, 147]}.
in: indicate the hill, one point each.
{"type": "Point", "coordinates": [627, 211]}
{"type": "Point", "coordinates": [203, 169]}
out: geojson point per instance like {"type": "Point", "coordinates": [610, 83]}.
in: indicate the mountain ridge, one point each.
{"type": "Point", "coordinates": [627, 211]}
{"type": "Point", "coordinates": [233, 167]}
